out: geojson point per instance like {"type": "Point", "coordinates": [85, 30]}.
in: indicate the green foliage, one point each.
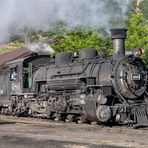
{"type": "Point", "coordinates": [137, 33]}
{"type": "Point", "coordinates": [13, 45]}
{"type": "Point", "coordinates": [83, 37]}
{"type": "Point", "coordinates": [67, 39]}
{"type": "Point", "coordinates": [143, 7]}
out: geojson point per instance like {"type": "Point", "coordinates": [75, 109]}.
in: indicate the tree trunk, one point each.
{"type": "Point", "coordinates": [138, 2]}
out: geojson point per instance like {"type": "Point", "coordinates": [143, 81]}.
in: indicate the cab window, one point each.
{"type": "Point", "coordinates": [13, 74]}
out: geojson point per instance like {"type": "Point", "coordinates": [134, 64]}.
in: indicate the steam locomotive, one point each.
{"type": "Point", "coordinates": [81, 88]}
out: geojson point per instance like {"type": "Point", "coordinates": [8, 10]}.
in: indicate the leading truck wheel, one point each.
{"type": "Point", "coordinates": [103, 113]}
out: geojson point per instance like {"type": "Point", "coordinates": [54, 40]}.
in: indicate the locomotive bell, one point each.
{"type": "Point", "coordinates": [118, 36]}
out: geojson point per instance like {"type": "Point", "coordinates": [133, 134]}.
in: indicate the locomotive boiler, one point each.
{"type": "Point", "coordinates": [88, 87]}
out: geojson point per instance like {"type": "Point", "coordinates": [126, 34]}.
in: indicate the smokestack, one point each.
{"type": "Point", "coordinates": [118, 36]}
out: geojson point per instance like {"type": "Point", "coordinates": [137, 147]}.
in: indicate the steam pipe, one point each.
{"type": "Point", "coordinates": [118, 36]}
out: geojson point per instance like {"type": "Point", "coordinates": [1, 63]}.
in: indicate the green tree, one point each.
{"type": "Point", "coordinates": [139, 6]}
{"type": "Point", "coordinates": [137, 33]}
{"type": "Point", "coordinates": [144, 8]}
{"type": "Point", "coordinates": [81, 38]}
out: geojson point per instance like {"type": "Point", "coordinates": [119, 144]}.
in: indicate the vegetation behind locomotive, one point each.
{"type": "Point", "coordinates": [81, 88]}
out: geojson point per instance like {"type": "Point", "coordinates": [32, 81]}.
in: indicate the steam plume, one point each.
{"type": "Point", "coordinates": [40, 47]}
{"type": "Point", "coordinates": [16, 15]}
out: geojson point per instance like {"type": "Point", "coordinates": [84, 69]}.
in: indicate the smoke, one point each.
{"type": "Point", "coordinates": [17, 15]}
{"type": "Point", "coordinates": [40, 47]}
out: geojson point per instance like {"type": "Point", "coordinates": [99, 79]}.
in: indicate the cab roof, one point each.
{"type": "Point", "coordinates": [14, 55]}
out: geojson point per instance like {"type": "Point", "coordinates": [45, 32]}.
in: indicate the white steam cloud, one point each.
{"type": "Point", "coordinates": [40, 47]}
{"type": "Point", "coordinates": [16, 15]}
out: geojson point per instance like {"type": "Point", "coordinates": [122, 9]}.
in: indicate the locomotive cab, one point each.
{"type": "Point", "coordinates": [15, 73]}
{"type": "Point", "coordinates": [21, 73]}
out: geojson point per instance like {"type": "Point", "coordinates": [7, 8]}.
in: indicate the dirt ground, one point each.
{"type": "Point", "coordinates": [38, 133]}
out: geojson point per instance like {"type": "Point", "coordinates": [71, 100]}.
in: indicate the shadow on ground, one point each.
{"type": "Point", "coordinates": [6, 122]}
{"type": "Point", "coordinates": [21, 142]}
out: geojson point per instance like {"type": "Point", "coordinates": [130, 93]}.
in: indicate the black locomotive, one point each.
{"type": "Point", "coordinates": [81, 88]}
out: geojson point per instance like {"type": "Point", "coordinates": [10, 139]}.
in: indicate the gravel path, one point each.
{"type": "Point", "coordinates": [38, 133]}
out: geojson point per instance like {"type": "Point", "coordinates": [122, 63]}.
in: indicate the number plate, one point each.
{"type": "Point", "coordinates": [135, 76]}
